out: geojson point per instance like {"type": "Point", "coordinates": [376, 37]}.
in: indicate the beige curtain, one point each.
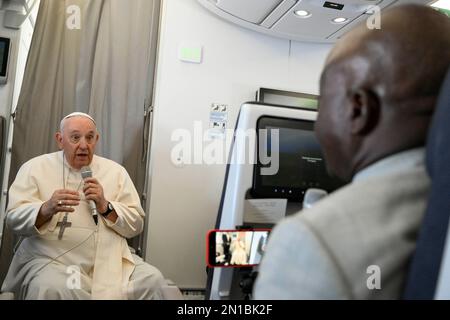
{"type": "Point", "coordinates": [105, 68]}
{"type": "Point", "coordinates": [120, 88]}
{"type": "Point", "coordinates": [48, 86]}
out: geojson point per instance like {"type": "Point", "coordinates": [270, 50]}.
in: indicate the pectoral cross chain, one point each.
{"type": "Point", "coordinates": [62, 226]}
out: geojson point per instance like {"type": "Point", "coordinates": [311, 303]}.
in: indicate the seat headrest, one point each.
{"type": "Point", "coordinates": [438, 143]}
{"type": "Point", "coordinates": [426, 263]}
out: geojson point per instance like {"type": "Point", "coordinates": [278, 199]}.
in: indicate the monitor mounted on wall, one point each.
{"type": "Point", "coordinates": [5, 45]}
{"type": "Point", "coordinates": [301, 163]}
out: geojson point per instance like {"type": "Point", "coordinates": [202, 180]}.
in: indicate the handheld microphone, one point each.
{"type": "Point", "coordinates": [86, 172]}
{"type": "Point", "coordinates": [312, 196]}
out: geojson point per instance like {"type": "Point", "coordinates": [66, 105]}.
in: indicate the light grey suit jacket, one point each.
{"type": "Point", "coordinates": [324, 252]}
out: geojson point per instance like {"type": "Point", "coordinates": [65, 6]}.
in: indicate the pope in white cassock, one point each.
{"type": "Point", "coordinates": [65, 254]}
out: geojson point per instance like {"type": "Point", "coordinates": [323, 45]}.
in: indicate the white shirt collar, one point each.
{"type": "Point", "coordinates": [395, 163]}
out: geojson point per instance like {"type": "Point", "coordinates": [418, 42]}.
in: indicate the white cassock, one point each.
{"type": "Point", "coordinates": [238, 255]}
{"type": "Point", "coordinates": [45, 267]}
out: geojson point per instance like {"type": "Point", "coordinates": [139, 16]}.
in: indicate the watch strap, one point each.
{"type": "Point", "coordinates": [108, 210]}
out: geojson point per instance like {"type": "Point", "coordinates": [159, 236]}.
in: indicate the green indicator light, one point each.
{"type": "Point", "coordinates": [191, 54]}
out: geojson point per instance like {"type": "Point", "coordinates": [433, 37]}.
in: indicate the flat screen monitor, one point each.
{"type": "Point", "coordinates": [4, 56]}
{"type": "Point", "coordinates": [287, 98]}
{"type": "Point", "coordinates": [301, 164]}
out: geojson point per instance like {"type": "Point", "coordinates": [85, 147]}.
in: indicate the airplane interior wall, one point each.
{"type": "Point", "coordinates": [20, 46]}
{"type": "Point", "coordinates": [9, 92]}
{"type": "Point", "coordinates": [6, 89]}
{"type": "Point", "coordinates": [184, 200]}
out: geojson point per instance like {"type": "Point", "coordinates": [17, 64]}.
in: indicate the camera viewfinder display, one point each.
{"type": "Point", "coordinates": [236, 248]}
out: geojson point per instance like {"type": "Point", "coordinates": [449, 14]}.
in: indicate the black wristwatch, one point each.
{"type": "Point", "coordinates": [108, 211]}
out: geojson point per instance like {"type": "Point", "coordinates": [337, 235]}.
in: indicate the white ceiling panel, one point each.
{"type": "Point", "coordinates": [253, 11]}
{"type": "Point", "coordinates": [277, 17]}
{"type": "Point", "coordinates": [319, 25]}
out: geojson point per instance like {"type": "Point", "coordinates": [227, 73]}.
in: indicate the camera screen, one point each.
{"type": "Point", "coordinates": [237, 248]}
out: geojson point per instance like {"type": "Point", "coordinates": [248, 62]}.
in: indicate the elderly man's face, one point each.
{"type": "Point", "coordinates": [78, 141]}
{"type": "Point", "coordinates": [331, 127]}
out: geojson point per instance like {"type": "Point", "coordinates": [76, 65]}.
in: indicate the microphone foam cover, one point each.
{"type": "Point", "coordinates": [86, 172]}
{"type": "Point", "coordinates": [312, 196]}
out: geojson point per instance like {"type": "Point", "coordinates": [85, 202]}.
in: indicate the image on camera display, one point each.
{"type": "Point", "coordinates": [236, 248]}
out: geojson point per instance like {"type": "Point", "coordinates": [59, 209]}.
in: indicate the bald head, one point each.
{"type": "Point", "coordinates": [408, 56]}
{"type": "Point", "coordinates": [379, 87]}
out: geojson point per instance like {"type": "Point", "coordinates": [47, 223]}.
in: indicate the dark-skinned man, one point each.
{"type": "Point", "coordinates": [378, 93]}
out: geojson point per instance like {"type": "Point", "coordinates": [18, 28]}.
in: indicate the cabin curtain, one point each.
{"type": "Point", "coordinates": [93, 56]}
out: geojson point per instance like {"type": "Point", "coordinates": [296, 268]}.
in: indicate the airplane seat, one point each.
{"type": "Point", "coordinates": [7, 245]}
{"type": "Point", "coordinates": [429, 273]}
{"type": "Point", "coordinates": [3, 134]}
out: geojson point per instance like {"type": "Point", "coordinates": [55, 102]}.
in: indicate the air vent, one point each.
{"type": "Point", "coordinates": [332, 5]}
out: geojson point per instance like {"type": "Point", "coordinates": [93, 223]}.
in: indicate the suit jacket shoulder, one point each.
{"type": "Point", "coordinates": [370, 222]}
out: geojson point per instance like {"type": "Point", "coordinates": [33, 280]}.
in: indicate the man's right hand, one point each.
{"type": "Point", "coordinates": [61, 201]}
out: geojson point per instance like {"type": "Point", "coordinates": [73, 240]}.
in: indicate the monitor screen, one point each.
{"type": "Point", "coordinates": [287, 98]}
{"type": "Point", "coordinates": [300, 162]}
{"type": "Point", "coordinates": [4, 52]}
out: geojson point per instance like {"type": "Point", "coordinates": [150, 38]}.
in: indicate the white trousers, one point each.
{"type": "Point", "coordinates": [53, 283]}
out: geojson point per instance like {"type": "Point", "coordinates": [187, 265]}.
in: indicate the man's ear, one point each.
{"type": "Point", "coordinates": [365, 111]}
{"type": "Point", "coordinates": [58, 137]}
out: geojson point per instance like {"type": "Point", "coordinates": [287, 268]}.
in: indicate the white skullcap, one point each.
{"type": "Point", "coordinates": [79, 114]}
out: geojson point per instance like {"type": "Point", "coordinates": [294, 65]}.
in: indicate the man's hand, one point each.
{"type": "Point", "coordinates": [61, 201]}
{"type": "Point", "coordinates": [94, 191]}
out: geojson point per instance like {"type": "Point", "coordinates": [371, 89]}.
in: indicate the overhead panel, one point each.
{"type": "Point", "coordinates": [278, 18]}
{"type": "Point", "coordinates": [278, 13]}
{"type": "Point", "coordinates": [382, 5]}
{"type": "Point", "coordinates": [253, 11]}
{"type": "Point", "coordinates": [361, 19]}
{"type": "Point", "coordinates": [319, 22]}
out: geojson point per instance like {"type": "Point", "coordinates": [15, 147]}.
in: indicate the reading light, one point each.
{"type": "Point", "coordinates": [302, 13]}
{"type": "Point", "coordinates": [339, 20]}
